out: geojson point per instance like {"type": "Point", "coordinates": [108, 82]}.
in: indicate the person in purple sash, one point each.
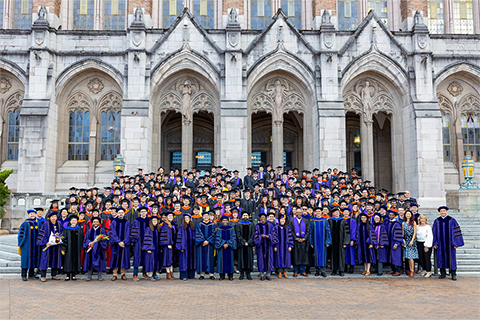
{"type": "Point", "coordinates": [283, 248]}
{"type": "Point", "coordinates": [301, 234]}
{"type": "Point", "coordinates": [119, 238]}
{"type": "Point", "coordinates": [96, 258]}
{"type": "Point", "coordinates": [395, 238]}
{"type": "Point", "coordinates": [350, 256]}
{"type": "Point", "coordinates": [379, 243]}
{"type": "Point", "coordinates": [167, 237]}
{"type": "Point", "coordinates": [51, 256]}
{"type": "Point", "coordinates": [137, 235]}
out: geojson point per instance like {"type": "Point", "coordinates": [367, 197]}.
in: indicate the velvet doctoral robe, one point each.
{"type": "Point", "coordinates": [186, 248]}
{"type": "Point", "coordinates": [95, 259]}
{"type": "Point", "coordinates": [51, 257]}
{"type": "Point", "coordinates": [282, 258]}
{"type": "Point", "coordinates": [167, 238]}
{"type": "Point", "coordinates": [446, 235]}
{"type": "Point", "coordinates": [395, 237]}
{"type": "Point", "coordinates": [245, 234]}
{"type": "Point", "coordinates": [379, 238]}
{"type": "Point", "coordinates": [137, 235]}
{"type": "Point", "coordinates": [72, 246]}
{"type": "Point", "coordinates": [300, 249]}
{"type": "Point", "coordinates": [205, 254]}
{"type": "Point", "coordinates": [265, 245]}
{"type": "Point", "coordinates": [119, 231]}
{"type": "Point", "coordinates": [151, 243]}
{"type": "Point", "coordinates": [27, 237]}
{"type": "Point", "coordinates": [350, 256]}
{"type": "Point", "coordinates": [320, 238]}
{"type": "Point", "coordinates": [225, 256]}
{"type": "Point", "coordinates": [364, 253]}
{"type": "Point", "coordinates": [340, 237]}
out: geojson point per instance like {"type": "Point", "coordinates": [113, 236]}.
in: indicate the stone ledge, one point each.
{"type": "Point", "coordinates": [464, 200]}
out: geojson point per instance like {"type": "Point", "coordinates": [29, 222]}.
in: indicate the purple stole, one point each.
{"type": "Point", "coordinates": [299, 229]}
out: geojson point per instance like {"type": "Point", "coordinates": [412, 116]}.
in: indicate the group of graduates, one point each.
{"type": "Point", "coordinates": [217, 222]}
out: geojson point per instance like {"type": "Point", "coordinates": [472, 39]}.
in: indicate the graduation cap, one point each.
{"type": "Point", "coordinates": [51, 213]}
{"type": "Point", "coordinates": [224, 217]}
{"type": "Point", "coordinates": [96, 218]}
{"type": "Point", "coordinates": [108, 201]}
{"type": "Point", "coordinates": [142, 208]}
{"type": "Point", "coordinates": [415, 205]}
{"type": "Point", "coordinates": [154, 217]}
{"type": "Point", "coordinates": [166, 213]}
{"type": "Point", "coordinates": [442, 207]}
{"type": "Point", "coordinates": [206, 212]}
{"type": "Point", "coordinates": [72, 189]}
{"type": "Point", "coordinates": [119, 209]}
{"type": "Point", "coordinates": [39, 209]}
{"type": "Point", "coordinates": [262, 214]}
{"type": "Point", "coordinates": [391, 211]}
{"type": "Point", "coordinates": [72, 216]}
{"type": "Point", "coordinates": [31, 211]}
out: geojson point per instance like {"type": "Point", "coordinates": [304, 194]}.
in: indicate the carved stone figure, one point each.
{"type": "Point", "coordinates": [233, 16]}
{"type": "Point", "coordinates": [277, 92]}
{"type": "Point", "coordinates": [138, 14]}
{"type": "Point", "coordinates": [186, 102]}
{"type": "Point", "coordinates": [42, 13]}
{"type": "Point", "coordinates": [367, 94]}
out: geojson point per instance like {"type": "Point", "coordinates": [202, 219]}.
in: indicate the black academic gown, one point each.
{"type": "Point", "coordinates": [300, 249]}
{"type": "Point", "coordinates": [245, 234]}
{"type": "Point", "coordinates": [72, 246]}
{"type": "Point", "coordinates": [249, 205]}
{"type": "Point", "coordinates": [340, 236]}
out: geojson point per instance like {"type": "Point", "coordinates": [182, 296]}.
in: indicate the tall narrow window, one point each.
{"type": "Point", "coordinates": [203, 160]}
{"type": "Point", "coordinates": [78, 135]}
{"type": "Point", "coordinates": [203, 11]}
{"type": "Point", "coordinates": [22, 14]}
{"type": "Point", "coordinates": [171, 9]}
{"type": "Point", "coordinates": [463, 17]}
{"type": "Point", "coordinates": [13, 134]}
{"type": "Point", "coordinates": [83, 14]}
{"type": "Point", "coordinates": [293, 10]}
{"type": "Point", "coordinates": [110, 131]}
{"type": "Point", "coordinates": [446, 137]}
{"type": "Point", "coordinates": [347, 15]}
{"type": "Point", "coordinates": [381, 9]}
{"type": "Point", "coordinates": [114, 17]}
{"type": "Point", "coordinates": [175, 159]}
{"type": "Point", "coordinates": [260, 13]}
{"type": "Point", "coordinates": [471, 135]}
{"type": "Point", "coordinates": [436, 18]}
{"type": "Point", "coordinates": [1, 14]}
{"type": "Point", "coordinates": [287, 160]}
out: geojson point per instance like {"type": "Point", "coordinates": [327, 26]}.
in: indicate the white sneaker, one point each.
{"type": "Point", "coordinates": [428, 275]}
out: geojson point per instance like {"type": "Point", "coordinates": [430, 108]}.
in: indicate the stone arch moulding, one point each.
{"type": "Point", "coordinates": [379, 95]}
{"type": "Point", "coordinates": [14, 101]}
{"type": "Point", "coordinates": [110, 101]}
{"type": "Point", "coordinates": [454, 68]}
{"type": "Point", "coordinates": [74, 69]}
{"type": "Point", "coordinates": [15, 70]}
{"type": "Point", "coordinates": [79, 101]}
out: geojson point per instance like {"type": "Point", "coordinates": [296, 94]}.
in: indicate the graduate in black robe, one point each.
{"type": "Point", "coordinates": [301, 233]}
{"type": "Point", "coordinates": [245, 242]}
{"type": "Point", "coordinates": [340, 239]}
{"type": "Point", "coordinates": [72, 247]}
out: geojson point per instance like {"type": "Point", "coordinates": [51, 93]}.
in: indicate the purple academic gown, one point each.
{"type": "Point", "coordinates": [225, 257]}
{"type": "Point", "coordinates": [52, 257]}
{"type": "Point", "coordinates": [96, 259]}
{"type": "Point", "coordinates": [186, 242]}
{"type": "Point", "coordinates": [395, 237]}
{"type": "Point", "coordinates": [150, 242]}
{"type": "Point", "coordinates": [119, 231]}
{"type": "Point", "coordinates": [378, 238]}
{"type": "Point", "coordinates": [265, 246]}
{"type": "Point", "coordinates": [137, 234]}
{"type": "Point", "coordinates": [364, 253]}
{"type": "Point", "coordinates": [167, 236]}
{"type": "Point", "coordinates": [446, 235]}
{"type": "Point", "coordinates": [350, 257]}
{"type": "Point", "coordinates": [283, 257]}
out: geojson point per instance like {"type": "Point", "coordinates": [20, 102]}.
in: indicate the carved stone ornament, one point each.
{"type": "Point", "coordinates": [233, 38]}
{"type": "Point", "coordinates": [39, 37]}
{"type": "Point", "coordinates": [5, 85]}
{"type": "Point", "coordinates": [95, 85]}
{"type": "Point", "coordinates": [136, 38]}
{"type": "Point", "coordinates": [422, 41]}
{"type": "Point", "coordinates": [455, 88]}
{"type": "Point", "coordinates": [328, 40]}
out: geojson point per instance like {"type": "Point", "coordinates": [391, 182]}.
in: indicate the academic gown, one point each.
{"type": "Point", "coordinates": [119, 231]}
{"type": "Point", "coordinates": [300, 249]}
{"type": "Point", "coordinates": [245, 234]}
{"type": "Point", "coordinates": [51, 257]}
{"type": "Point", "coordinates": [282, 258]}
{"type": "Point", "coordinates": [72, 246]}
{"type": "Point", "coordinates": [265, 245]}
{"type": "Point", "coordinates": [225, 257]}
{"type": "Point", "coordinates": [205, 254]}
{"type": "Point", "coordinates": [364, 253]}
{"type": "Point", "coordinates": [320, 237]}
{"type": "Point", "coordinates": [186, 242]}
{"type": "Point", "coordinates": [167, 238]}
{"type": "Point", "coordinates": [153, 260]}
{"type": "Point", "coordinates": [106, 225]}
{"type": "Point", "coordinates": [27, 237]}
{"type": "Point", "coordinates": [379, 238]}
{"type": "Point", "coordinates": [350, 256]}
{"type": "Point", "coordinates": [96, 259]}
{"type": "Point", "coordinates": [340, 237]}
{"type": "Point", "coordinates": [137, 236]}
{"type": "Point", "coordinates": [395, 237]}
{"type": "Point", "coordinates": [446, 235]}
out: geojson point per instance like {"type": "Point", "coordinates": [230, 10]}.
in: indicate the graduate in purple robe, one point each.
{"type": "Point", "coordinates": [96, 258]}
{"type": "Point", "coordinates": [282, 255]}
{"type": "Point", "coordinates": [350, 255]}
{"type": "Point", "coordinates": [27, 237]}
{"type": "Point", "coordinates": [395, 239]}
{"type": "Point", "coordinates": [320, 240]}
{"type": "Point", "coordinates": [265, 240]}
{"type": "Point", "coordinates": [365, 250]}
{"type": "Point", "coordinates": [447, 237]}
{"type": "Point", "coordinates": [167, 240]}
{"type": "Point", "coordinates": [379, 241]}
{"type": "Point", "coordinates": [186, 248]}
{"type": "Point", "coordinates": [51, 257]}
{"type": "Point", "coordinates": [204, 242]}
{"type": "Point", "coordinates": [119, 238]}
{"type": "Point", "coordinates": [152, 249]}
{"type": "Point", "coordinates": [137, 235]}
{"type": "Point", "coordinates": [225, 243]}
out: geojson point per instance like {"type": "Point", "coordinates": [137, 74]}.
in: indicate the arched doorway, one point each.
{"type": "Point", "coordinates": [261, 139]}
{"type": "Point", "coordinates": [354, 154]}
{"type": "Point", "coordinates": [203, 140]}
{"type": "Point", "coordinates": [171, 140]}
{"type": "Point", "coordinates": [293, 141]}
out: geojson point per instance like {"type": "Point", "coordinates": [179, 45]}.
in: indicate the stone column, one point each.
{"type": "Point", "coordinates": [366, 136]}
{"type": "Point", "coordinates": [277, 143]}
{"type": "Point", "coordinates": [187, 144]}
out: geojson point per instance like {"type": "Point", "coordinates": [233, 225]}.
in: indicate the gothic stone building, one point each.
{"type": "Point", "coordinates": [182, 83]}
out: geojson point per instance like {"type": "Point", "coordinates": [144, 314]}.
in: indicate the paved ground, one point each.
{"type": "Point", "coordinates": [287, 298]}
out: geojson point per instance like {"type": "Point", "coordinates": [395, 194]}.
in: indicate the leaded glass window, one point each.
{"type": "Point", "coordinates": [171, 9]}
{"type": "Point", "coordinates": [22, 14]}
{"type": "Point", "coordinates": [260, 13]}
{"type": "Point", "coordinates": [203, 10]}
{"type": "Point", "coordinates": [110, 135]}
{"type": "Point", "coordinates": [381, 9]}
{"type": "Point", "coordinates": [293, 10]}
{"type": "Point", "coordinates": [78, 135]}
{"type": "Point", "coordinates": [347, 15]}
{"type": "Point", "coordinates": [463, 17]}
{"type": "Point", "coordinates": [203, 159]}
{"type": "Point", "coordinates": [175, 159]}
{"type": "Point", "coordinates": [13, 134]}
{"type": "Point", "coordinates": [83, 14]}
{"type": "Point", "coordinates": [446, 137]}
{"type": "Point", "coordinates": [114, 18]}
{"type": "Point", "coordinates": [436, 17]}
{"type": "Point", "coordinates": [471, 135]}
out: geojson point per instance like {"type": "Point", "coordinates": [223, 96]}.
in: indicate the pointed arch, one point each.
{"type": "Point", "coordinates": [15, 69]}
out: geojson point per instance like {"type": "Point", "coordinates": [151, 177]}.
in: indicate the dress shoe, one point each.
{"type": "Point", "coordinates": [114, 278]}
{"type": "Point", "coordinates": [33, 277]}
{"type": "Point", "coordinates": [285, 275]}
{"type": "Point", "coordinates": [317, 274]}
{"type": "Point", "coordinates": [135, 278]}
{"type": "Point", "coordinates": [295, 275]}
{"type": "Point", "coordinates": [230, 277]}
{"type": "Point", "coordinates": [172, 276]}
{"type": "Point", "coordinates": [89, 278]}
{"type": "Point", "coordinates": [242, 276]}
{"type": "Point", "coordinates": [269, 279]}
{"type": "Point", "coordinates": [340, 273]}
{"type": "Point", "coordinates": [303, 274]}
{"type": "Point", "coordinates": [153, 279]}
{"type": "Point", "coordinates": [428, 274]}
{"type": "Point", "coordinates": [280, 275]}
{"type": "Point", "coordinates": [43, 279]}
{"type": "Point", "coordinates": [454, 275]}
{"type": "Point", "coordinates": [396, 274]}
{"type": "Point", "coordinates": [379, 274]}
{"type": "Point", "coordinates": [323, 274]}
{"type": "Point", "coordinates": [124, 277]}
{"type": "Point", "coordinates": [334, 272]}
{"type": "Point", "coordinates": [100, 277]}
{"type": "Point", "coordinates": [212, 278]}
{"type": "Point", "coordinates": [55, 278]}
{"type": "Point", "coordinates": [262, 278]}
{"type": "Point", "coordinates": [145, 276]}
{"type": "Point", "coordinates": [201, 278]}
{"type": "Point", "coordinates": [249, 276]}
{"type": "Point", "coordinates": [411, 274]}
{"type": "Point", "coordinates": [402, 271]}
{"type": "Point", "coordinates": [390, 272]}
{"type": "Point", "coordinates": [74, 279]}
{"type": "Point", "coordinates": [67, 279]}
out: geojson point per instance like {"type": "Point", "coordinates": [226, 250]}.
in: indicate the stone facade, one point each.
{"type": "Point", "coordinates": [232, 91]}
